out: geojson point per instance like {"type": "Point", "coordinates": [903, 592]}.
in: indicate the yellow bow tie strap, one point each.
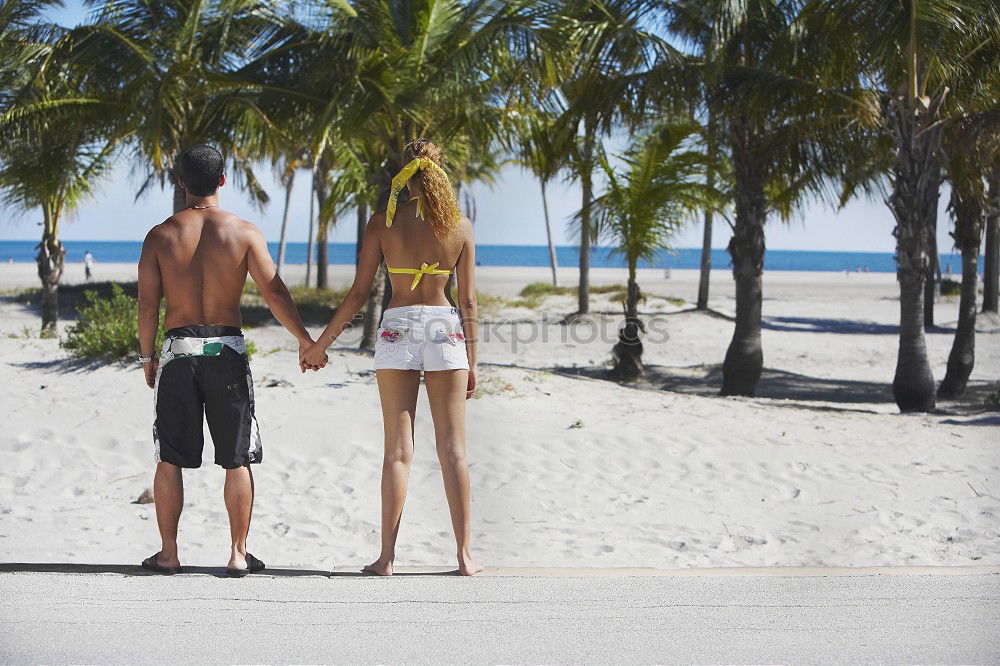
{"type": "Point", "coordinates": [418, 273]}
{"type": "Point", "coordinates": [399, 180]}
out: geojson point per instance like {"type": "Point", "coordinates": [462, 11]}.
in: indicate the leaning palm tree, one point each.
{"type": "Point", "coordinates": [544, 149]}
{"type": "Point", "coordinates": [661, 185]}
{"type": "Point", "coordinates": [910, 55]}
{"type": "Point", "coordinates": [52, 168]}
{"type": "Point", "coordinates": [181, 72]}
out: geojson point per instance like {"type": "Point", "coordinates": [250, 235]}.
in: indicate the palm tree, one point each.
{"type": "Point", "coordinates": [642, 206]}
{"type": "Point", "coordinates": [55, 147]}
{"type": "Point", "coordinates": [781, 119]}
{"type": "Point", "coordinates": [910, 55]}
{"type": "Point", "coordinates": [52, 167]}
{"type": "Point", "coordinates": [545, 150]}
{"type": "Point", "coordinates": [181, 72]}
{"type": "Point", "coordinates": [609, 42]}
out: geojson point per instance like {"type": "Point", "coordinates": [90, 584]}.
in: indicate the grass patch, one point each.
{"type": "Point", "coordinates": [107, 327]}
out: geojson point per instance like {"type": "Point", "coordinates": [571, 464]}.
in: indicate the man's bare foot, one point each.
{"type": "Point", "coordinates": [379, 567]}
{"type": "Point", "coordinates": [467, 566]}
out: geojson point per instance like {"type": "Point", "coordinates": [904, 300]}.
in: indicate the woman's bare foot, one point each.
{"type": "Point", "coordinates": [467, 566]}
{"type": "Point", "coordinates": [380, 567]}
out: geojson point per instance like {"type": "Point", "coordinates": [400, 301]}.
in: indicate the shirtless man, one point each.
{"type": "Point", "coordinates": [198, 261]}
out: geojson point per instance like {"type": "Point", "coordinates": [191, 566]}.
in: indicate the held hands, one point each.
{"type": "Point", "coordinates": [312, 356]}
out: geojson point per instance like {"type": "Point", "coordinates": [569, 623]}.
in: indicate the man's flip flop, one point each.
{"type": "Point", "coordinates": [253, 566]}
{"type": "Point", "coordinates": [150, 564]}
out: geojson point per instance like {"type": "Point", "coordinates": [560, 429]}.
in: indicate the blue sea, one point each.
{"type": "Point", "coordinates": [521, 255]}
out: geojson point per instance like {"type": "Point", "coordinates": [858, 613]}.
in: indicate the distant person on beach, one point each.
{"type": "Point", "coordinates": [423, 243]}
{"type": "Point", "coordinates": [88, 265]}
{"type": "Point", "coordinates": [198, 260]}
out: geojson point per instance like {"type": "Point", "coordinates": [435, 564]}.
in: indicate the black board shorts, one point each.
{"type": "Point", "coordinates": [217, 387]}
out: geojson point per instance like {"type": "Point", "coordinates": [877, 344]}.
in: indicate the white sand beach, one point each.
{"type": "Point", "coordinates": [568, 469]}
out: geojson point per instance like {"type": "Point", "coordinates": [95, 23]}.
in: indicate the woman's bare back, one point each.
{"type": "Point", "coordinates": [410, 243]}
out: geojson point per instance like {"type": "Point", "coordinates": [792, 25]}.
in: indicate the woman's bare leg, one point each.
{"type": "Point", "coordinates": [398, 393]}
{"type": "Point", "coordinates": [446, 394]}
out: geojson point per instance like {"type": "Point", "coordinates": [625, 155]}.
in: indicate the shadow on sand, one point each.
{"type": "Point", "coordinates": [217, 572]}
{"type": "Point", "coordinates": [791, 388]}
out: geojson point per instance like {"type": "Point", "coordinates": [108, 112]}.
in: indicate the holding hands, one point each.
{"type": "Point", "coordinates": [312, 355]}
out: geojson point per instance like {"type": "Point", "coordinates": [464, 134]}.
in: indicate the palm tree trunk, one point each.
{"type": "Point", "coordinates": [991, 258]}
{"type": "Point", "coordinates": [744, 361]}
{"type": "Point", "coordinates": [627, 352]}
{"type": "Point", "coordinates": [968, 231]}
{"type": "Point", "coordinates": [51, 260]}
{"type": "Point", "coordinates": [706, 238]}
{"type": "Point", "coordinates": [362, 223]}
{"type": "Point", "coordinates": [931, 284]}
{"type": "Point", "coordinates": [322, 257]}
{"type": "Point", "coordinates": [283, 240]}
{"type": "Point", "coordinates": [585, 180]}
{"type": "Point", "coordinates": [312, 219]}
{"type": "Point", "coordinates": [913, 201]}
{"type": "Point", "coordinates": [548, 235]}
{"type": "Point", "coordinates": [180, 199]}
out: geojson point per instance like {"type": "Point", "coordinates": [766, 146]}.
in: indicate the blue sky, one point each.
{"type": "Point", "coordinates": [509, 212]}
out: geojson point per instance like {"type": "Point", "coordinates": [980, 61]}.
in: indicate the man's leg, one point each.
{"type": "Point", "coordinates": [238, 493]}
{"type": "Point", "coordinates": [168, 495]}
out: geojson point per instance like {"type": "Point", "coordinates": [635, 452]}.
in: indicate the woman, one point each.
{"type": "Point", "coordinates": [423, 242]}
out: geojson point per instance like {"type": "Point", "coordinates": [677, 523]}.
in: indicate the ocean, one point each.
{"type": "Point", "coordinates": [523, 255]}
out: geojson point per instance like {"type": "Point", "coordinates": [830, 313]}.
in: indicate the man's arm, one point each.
{"type": "Point", "coordinates": [150, 293]}
{"type": "Point", "coordinates": [273, 288]}
{"type": "Point", "coordinates": [467, 304]}
{"type": "Point", "coordinates": [368, 265]}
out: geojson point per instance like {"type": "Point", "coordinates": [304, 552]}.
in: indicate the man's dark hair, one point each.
{"type": "Point", "coordinates": [201, 169]}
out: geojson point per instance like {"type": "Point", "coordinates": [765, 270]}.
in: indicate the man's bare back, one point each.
{"type": "Point", "coordinates": [203, 257]}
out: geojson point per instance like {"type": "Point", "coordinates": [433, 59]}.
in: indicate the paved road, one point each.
{"type": "Point", "coordinates": [105, 614]}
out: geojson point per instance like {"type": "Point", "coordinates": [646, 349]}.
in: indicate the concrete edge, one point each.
{"type": "Point", "coordinates": [524, 572]}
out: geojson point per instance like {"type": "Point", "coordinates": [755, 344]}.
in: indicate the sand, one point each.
{"type": "Point", "coordinates": [568, 469]}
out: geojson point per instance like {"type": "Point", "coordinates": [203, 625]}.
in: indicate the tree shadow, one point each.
{"type": "Point", "coordinates": [706, 380]}
{"type": "Point", "coordinates": [136, 570]}
{"type": "Point", "coordinates": [824, 325]}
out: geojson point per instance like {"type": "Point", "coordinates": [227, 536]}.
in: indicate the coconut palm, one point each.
{"type": "Point", "coordinates": [910, 56]}
{"type": "Point", "coordinates": [181, 72]}
{"type": "Point", "coordinates": [781, 119]}
{"type": "Point", "coordinates": [661, 185]}
{"type": "Point", "coordinates": [544, 147]}
{"type": "Point", "coordinates": [609, 42]}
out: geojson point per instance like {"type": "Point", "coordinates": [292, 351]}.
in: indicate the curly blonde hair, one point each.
{"type": "Point", "coordinates": [439, 204]}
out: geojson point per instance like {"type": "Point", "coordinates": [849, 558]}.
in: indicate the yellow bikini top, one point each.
{"type": "Point", "coordinates": [398, 181]}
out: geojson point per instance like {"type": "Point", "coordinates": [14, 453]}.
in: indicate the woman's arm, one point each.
{"type": "Point", "coordinates": [368, 265]}
{"type": "Point", "coordinates": [467, 304]}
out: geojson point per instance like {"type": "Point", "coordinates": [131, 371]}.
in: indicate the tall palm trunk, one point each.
{"type": "Point", "coordinates": [180, 198]}
{"type": "Point", "coordinates": [913, 201]}
{"type": "Point", "coordinates": [283, 240]}
{"type": "Point", "coordinates": [627, 352]}
{"type": "Point", "coordinates": [548, 235]}
{"type": "Point", "coordinates": [586, 174]}
{"type": "Point", "coordinates": [968, 232]}
{"type": "Point", "coordinates": [933, 281]}
{"type": "Point", "coordinates": [51, 260]}
{"type": "Point", "coordinates": [362, 223]}
{"type": "Point", "coordinates": [706, 238]}
{"type": "Point", "coordinates": [991, 258]}
{"type": "Point", "coordinates": [745, 359]}
{"type": "Point", "coordinates": [312, 220]}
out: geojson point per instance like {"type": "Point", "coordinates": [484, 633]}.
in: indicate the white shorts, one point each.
{"type": "Point", "coordinates": [421, 337]}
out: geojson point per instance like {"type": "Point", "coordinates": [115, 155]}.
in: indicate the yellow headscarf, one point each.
{"type": "Point", "coordinates": [399, 180]}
